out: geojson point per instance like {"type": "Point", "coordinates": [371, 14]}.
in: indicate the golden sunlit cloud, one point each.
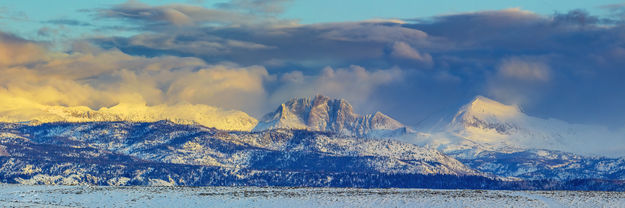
{"type": "Point", "coordinates": [111, 85]}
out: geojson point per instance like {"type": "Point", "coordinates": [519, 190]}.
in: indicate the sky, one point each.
{"type": "Point", "coordinates": [414, 60]}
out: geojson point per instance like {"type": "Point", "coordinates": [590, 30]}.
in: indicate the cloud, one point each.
{"type": "Point", "coordinates": [188, 44]}
{"type": "Point", "coordinates": [15, 50]}
{"type": "Point", "coordinates": [70, 22]}
{"type": "Point", "coordinates": [47, 32]}
{"type": "Point", "coordinates": [171, 14]}
{"type": "Point", "coordinates": [222, 86]}
{"type": "Point", "coordinates": [513, 55]}
{"type": "Point", "coordinates": [523, 69]}
{"type": "Point", "coordinates": [576, 17]}
{"type": "Point", "coordinates": [354, 83]}
{"type": "Point", "coordinates": [110, 79]}
{"type": "Point", "coordinates": [310, 46]}
{"type": "Point", "coordinates": [112, 84]}
{"type": "Point", "coordinates": [617, 11]}
{"type": "Point", "coordinates": [547, 63]}
{"type": "Point", "coordinates": [178, 15]}
{"type": "Point", "coordinates": [519, 80]}
{"type": "Point", "coordinates": [19, 16]}
{"type": "Point", "coordinates": [567, 65]}
{"type": "Point", "coordinates": [473, 29]}
{"type": "Point", "coordinates": [256, 6]}
{"type": "Point", "coordinates": [376, 31]}
{"type": "Point", "coordinates": [402, 50]}
{"type": "Point", "coordinates": [168, 80]}
{"type": "Point", "coordinates": [96, 80]}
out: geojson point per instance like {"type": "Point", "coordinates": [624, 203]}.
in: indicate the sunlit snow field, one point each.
{"type": "Point", "coordinates": [85, 196]}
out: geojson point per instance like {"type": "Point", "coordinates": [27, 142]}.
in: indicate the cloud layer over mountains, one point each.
{"type": "Point", "coordinates": [240, 55]}
{"type": "Point", "coordinates": [33, 78]}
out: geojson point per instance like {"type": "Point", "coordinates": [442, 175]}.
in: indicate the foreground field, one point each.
{"type": "Point", "coordinates": [84, 196]}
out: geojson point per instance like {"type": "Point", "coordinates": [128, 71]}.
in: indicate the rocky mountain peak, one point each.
{"type": "Point", "coordinates": [321, 113]}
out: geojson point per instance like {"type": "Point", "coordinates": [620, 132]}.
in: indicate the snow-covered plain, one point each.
{"type": "Point", "coordinates": [86, 196]}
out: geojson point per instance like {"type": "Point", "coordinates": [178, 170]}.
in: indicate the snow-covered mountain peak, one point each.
{"type": "Point", "coordinates": [488, 120]}
{"type": "Point", "coordinates": [484, 107]}
{"type": "Point", "coordinates": [321, 113]}
{"type": "Point", "coordinates": [497, 126]}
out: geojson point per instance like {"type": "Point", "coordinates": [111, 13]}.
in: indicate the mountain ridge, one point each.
{"type": "Point", "coordinates": [37, 152]}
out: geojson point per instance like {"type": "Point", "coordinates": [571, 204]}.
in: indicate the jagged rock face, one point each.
{"type": "Point", "coordinates": [324, 114]}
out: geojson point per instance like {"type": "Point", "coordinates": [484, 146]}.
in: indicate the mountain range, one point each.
{"type": "Point", "coordinates": [126, 153]}
{"type": "Point", "coordinates": [315, 141]}
{"type": "Point", "coordinates": [133, 112]}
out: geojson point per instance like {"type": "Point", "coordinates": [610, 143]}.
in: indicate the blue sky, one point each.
{"type": "Point", "coordinates": [355, 10]}
{"type": "Point", "coordinates": [326, 10]}
{"type": "Point", "coordinates": [28, 17]}
{"type": "Point", "coordinates": [31, 13]}
{"type": "Point", "coordinates": [556, 59]}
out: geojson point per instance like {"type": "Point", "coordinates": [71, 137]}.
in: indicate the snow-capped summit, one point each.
{"type": "Point", "coordinates": [488, 118]}
{"type": "Point", "coordinates": [321, 113]}
{"type": "Point", "coordinates": [499, 126]}
{"type": "Point", "coordinates": [487, 109]}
